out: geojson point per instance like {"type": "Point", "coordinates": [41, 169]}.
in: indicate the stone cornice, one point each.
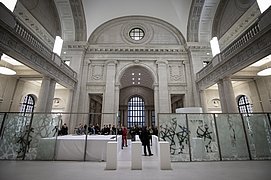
{"type": "Point", "coordinates": [33, 25]}
{"type": "Point", "coordinates": [136, 50]}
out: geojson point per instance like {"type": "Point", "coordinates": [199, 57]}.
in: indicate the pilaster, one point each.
{"type": "Point", "coordinates": [164, 103]}
{"type": "Point", "coordinates": [109, 95]}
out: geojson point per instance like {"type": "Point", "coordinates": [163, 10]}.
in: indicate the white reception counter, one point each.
{"type": "Point", "coordinates": [72, 147]}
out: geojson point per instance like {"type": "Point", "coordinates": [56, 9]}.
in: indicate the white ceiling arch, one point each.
{"type": "Point", "coordinates": [175, 12]}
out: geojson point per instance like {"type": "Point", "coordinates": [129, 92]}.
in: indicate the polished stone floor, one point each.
{"type": "Point", "coordinates": [72, 170]}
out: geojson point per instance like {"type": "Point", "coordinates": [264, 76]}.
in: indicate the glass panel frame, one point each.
{"type": "Point", "coordinates": [232, 137]}
{"type": "Point", "coordinates": [14, 140]}
{"type": "Point", "coordinates": [43, 139]}
{"type": "Point", "coordinates": [259, 136]}
{"type": "Point", "coordinates": [173, 129]}
{"type": "Point", "coordinates": [203, 138]}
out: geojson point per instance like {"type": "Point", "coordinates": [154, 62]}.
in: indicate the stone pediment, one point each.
{"type": "Point", "coordinates": [153, 32]}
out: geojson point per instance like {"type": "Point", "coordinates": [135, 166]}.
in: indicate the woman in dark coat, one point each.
{"type": "Point", "coordinates": [145, 139]}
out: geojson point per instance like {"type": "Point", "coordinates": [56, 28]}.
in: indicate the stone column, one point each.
{"type": "Point", "coordinates": [117, 95]}
{"type": "Point", "coordinates": [78, 63]}
{"type": "Point", "coordinates": [164, 103]}
{"type": "Point", "coordinates": [51, 94]}
{"type": "Point", "coordinates": [68, 108]}
{"type": "Point", "coordinates": [229, 96]}
{"type": "Point", "coordinates": [203, 101]}
{"type": "Point", "coordinates": [83, 105]}
{"type": "Point", "coordinates": [109, 95]}
{"type": "Point", "coordinates": [189, 98]}
{"type": "Point", "coordinates": [44, 94]}
{"type": "Point", "coordinates": [125, 118]}
{"type": "Point", "coordinates": [222, 98]}
{"type": "Point", "coordinates": [156, 103]}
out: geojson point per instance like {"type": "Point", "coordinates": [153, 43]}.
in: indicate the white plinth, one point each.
{"type": "Point", "coordinates": [136, 153]}
{"type": "Point", "coordinates": [111, 156]}
{"type": "Point", "coordinates": [164, 154]}
{"type": "Point", "coordinates": [197, 149]}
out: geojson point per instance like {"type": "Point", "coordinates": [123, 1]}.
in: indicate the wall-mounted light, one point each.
{"type": "Point", "coordinates": [10, 4]}
{"type": "Point", "coordinates": [58, 45]}
{"type": "Point", "coordinates": [215, 46]}
{"type": "Point", "coordinates": [263, 4]}
{"type": "Point", "coordinates": [265, 72]}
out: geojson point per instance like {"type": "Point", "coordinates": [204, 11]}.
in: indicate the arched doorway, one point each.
{"type": "Point", "coordinates": [136, 102]}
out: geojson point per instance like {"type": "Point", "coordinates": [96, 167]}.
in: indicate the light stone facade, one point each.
{"type": "Point", "coordinates": [112, 56]}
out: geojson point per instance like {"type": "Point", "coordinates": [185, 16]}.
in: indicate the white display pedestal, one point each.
{"type": "Point", "coordinates": [111, 156]}
{"type": "Point", "coordinates": [164, 154]}
{"type": "Point", "coordinates": [136, 153]}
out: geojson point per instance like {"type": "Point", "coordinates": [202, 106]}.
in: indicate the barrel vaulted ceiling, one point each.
{"type": "Point", "coordinates": [81, 17]}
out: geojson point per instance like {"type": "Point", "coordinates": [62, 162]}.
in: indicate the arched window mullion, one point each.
{"type": "Point", "coordinates": [27, 105]}
{"type": "Point", "coordinates": [244, 106]}
{"type": "Point", "coordinates": [135, 111]}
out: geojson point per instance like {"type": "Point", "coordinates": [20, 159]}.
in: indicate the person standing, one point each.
{"type": "Point", "coordinates": [64, 129]}
{"type": "Point", "coordinates": [145, 139]}
{"type": "Point", "coordinates": [124, 136]}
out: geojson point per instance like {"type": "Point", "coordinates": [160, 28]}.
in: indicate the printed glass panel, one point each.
{"type": "Point", "coordinates": [14, 142]}
{"type": "Point", "coordinates": [203, 138]}
{"type": "Point", "coordinates": [259, 135]}
{"type": "Point", "coordinates": [173, 129]}
{"type": "Point", "coordinates": [232, 137]}
{"type": "Point", "coordinates": [43, 137]}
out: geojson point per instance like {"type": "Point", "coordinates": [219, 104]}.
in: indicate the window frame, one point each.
{"type": "Point", "coordinates": [27, 106]}
{"type": "Point", "coordinates": [136, 112]}
{"type": "Point", "coordinates": [135, 33]}
{"type": "Point", "coordinates": [244, 106]}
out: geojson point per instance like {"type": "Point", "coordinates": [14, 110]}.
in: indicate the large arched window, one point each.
{"type": "Point", "coordinates": [136, 114]}
{"type": "Point", "coordinates": [28, 105]}
{"type": "Point", "coordinates": [244, 106]}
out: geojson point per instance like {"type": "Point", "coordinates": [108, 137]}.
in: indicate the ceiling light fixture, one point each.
{"type": "Point", "coordinates": [265, 72]}
{"type": "Point", "coordinates": [7, 71]}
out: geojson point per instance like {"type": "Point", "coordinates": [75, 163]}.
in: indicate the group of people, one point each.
{"type": "Point", "coordinates": [145, 133]}
{"type": "Point", "coordinates": [96, 130]}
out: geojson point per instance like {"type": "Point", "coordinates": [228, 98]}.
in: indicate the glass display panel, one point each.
{"type": "Point", "coordinates": [43, 137]}
{"type": "Point", "coordinates": [173, 129]}
{"type": "Point", "coordinates": [259, 135]}
{"type": "Point", "coordinates": [14, 138]}
{"type": "Point", "coordinates": [232, 137]}
{"type": "Point", "coordinates": [203, 138]}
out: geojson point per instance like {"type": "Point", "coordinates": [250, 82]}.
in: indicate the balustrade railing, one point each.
{"type": "Point", "coordinates": [32, 40]}
{"type": "Point", "coordinates": [13, 25]}
{"type": "Point", "coordinates": [240, 43]}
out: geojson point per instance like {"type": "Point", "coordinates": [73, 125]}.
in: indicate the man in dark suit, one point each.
{"type": "Point", "coordinates": [145, 139]}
